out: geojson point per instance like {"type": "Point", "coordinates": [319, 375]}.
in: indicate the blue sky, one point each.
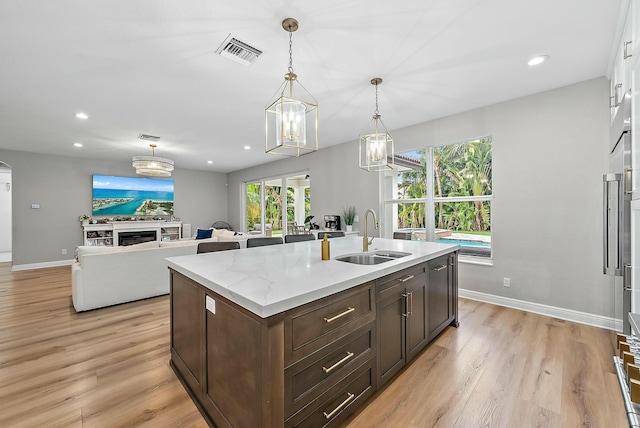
{"type": "Point", "coordinates": [132, 183]}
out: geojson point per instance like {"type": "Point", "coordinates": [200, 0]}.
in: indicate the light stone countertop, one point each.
{"type": "Point", "coordinates": [272, 279]}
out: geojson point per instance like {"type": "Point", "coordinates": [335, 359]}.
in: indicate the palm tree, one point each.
{"type": "Point", "coordinates": [463, 170]}
{"type": "Point", "coordinates": [253, 204]}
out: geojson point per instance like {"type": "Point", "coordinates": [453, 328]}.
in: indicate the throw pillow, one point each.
{"type": "Point", "coordinates": [218, 232]}
{"type": "Point", "coordinates": [204, 233]}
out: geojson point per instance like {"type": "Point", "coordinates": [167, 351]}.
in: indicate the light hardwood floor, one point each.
{"type": "Point", "coordinates": [109, 368]}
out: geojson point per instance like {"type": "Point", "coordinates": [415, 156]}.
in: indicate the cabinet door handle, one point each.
{"type": "Point", "coordinates": [410, 303]}
{"type": "Point", "coordinates": [628, 181]}
{"type": "Point", "coordinates": [626, 51]}
{"type": "Point", "coordinates": [616, 101]}
{"type": "Point", "coordinates": [333, 318]}
{"type": "Point", "coordinates": [340, 407]}
{"type": "Point", "coordinates": [406, 305]}
{"type": "Point", "coordinates": [343, 360]}
{"type": "Point", "coordinates": [626, 277]}
{"type": "Point", "coordinates": [407, 278]}
{"type": "Point", "coordinates": [439, 268]}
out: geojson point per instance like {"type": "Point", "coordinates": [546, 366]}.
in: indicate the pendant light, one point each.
{"type": "Point", "coordinates": [291, 120]}
{"type": "Point", "coordinates": [152, 166]}
{"type": "Point", "coordinates": [376, 144]}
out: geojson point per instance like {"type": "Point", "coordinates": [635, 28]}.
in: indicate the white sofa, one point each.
{"type": "Point", "coordinates": [105, 276]}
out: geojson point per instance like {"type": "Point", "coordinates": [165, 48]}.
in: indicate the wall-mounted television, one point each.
{"type": "Point", "coordinates": [131, 196]}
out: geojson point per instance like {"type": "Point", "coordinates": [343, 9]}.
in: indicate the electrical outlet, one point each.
{"type": "Point", "coordinates": [64, 251]}
{"type": "Point", "coordinates": [507, 282]}
{"type": "Point", "coordinates": [355, 218]}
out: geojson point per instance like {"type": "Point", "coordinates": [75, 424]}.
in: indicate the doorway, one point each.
{"type": "Point", "coordinates": [278, 205]}
{"type": "Point", "coordinates": [6, 187]}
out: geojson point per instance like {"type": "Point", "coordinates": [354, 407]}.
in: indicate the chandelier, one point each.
{"type": "Point", "coordinates": [376, 144]}
{"type": "Point", "coordinates": [291, 122]}
{"type": "Point", "coordinates": [152, 166]}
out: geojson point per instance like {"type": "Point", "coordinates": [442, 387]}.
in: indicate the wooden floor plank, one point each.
{"type": "Point", "coordinates": [109, 367]}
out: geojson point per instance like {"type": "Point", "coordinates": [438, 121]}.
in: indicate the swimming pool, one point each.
{"type": "Point", "coordinates": [464, 243]}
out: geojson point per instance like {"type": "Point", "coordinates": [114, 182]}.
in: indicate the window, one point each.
{"type": "Point", "coordinates": [443, 194]}
{"type": "Point", "coordinates": [264, 201]}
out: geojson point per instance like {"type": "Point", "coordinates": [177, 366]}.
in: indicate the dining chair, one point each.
{"type": "Point", "coordinates": [261, 242]}
{"type": "Point", "coordinates": [212, 247]}
{"type": "Point", "coordinates": [299, 238]}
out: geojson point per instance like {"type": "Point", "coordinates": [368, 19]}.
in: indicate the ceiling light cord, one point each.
{"type": "Point", "coordinates": [290, 50]}
{"type": "Point", "coordinates": [377, 113]}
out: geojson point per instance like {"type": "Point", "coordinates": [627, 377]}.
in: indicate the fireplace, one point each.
{"type": "Point", "coordinates": [131, 238]}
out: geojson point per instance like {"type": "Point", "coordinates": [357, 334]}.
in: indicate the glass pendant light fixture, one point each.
{"type": "Point", "coordinates": [152, 166]}
{"type": "Point", "coordinates": [376, 144]}
{"type": "Point", "coordinates": [291, 120]}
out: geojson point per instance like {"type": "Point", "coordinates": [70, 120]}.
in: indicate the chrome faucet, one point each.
{"type": "Point", "coordinates": [365, 239]}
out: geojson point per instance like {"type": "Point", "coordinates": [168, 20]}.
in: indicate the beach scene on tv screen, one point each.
{"type": "Point", "coordinates": [132, 196]}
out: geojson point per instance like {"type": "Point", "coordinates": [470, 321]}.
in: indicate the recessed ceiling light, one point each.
{"type": "Point", "coordinates": [77, 144]}
{"type": "Point", "coordinates": [247, 147]}
{"type": "Point", "coordinates": [82, 115]}
{"type": "Point", "coordinates": [209, 162]}
{"type": "Point", "coordinates": [536, 60]}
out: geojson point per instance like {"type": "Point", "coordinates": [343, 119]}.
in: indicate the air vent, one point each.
{"type": "Point", "coordinates": [238, 51]}
{"type": "Point", "coordinates": [148, 137]}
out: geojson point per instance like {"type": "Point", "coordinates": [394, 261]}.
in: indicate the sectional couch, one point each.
{"type": "Point", "coordinates": [105, 276]}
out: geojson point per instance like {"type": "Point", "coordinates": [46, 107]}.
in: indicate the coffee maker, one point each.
{"type": "Point", "coordinates": [331, 222]}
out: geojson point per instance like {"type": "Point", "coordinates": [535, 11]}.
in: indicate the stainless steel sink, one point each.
{"type": "Point", "coordinates": [372, 258]}
{"type": "Point", "coordinates": [392, 254]}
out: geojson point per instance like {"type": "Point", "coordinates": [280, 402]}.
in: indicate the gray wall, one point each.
{"type": "Point", "coordinates": [62, 187]}
{"type": "Point", "coordinates": [549, 154]}
{"type": "Point", "coordinates": [336, 181]}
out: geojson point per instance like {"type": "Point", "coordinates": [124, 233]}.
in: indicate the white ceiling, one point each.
{"type": "Point", "coordinates": [149, 66]}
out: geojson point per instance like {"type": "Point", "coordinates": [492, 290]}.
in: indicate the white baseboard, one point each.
{"type": "Point", "coordinates": [551, 311]}
{"type": "Point", "coordinates": [42, 265]}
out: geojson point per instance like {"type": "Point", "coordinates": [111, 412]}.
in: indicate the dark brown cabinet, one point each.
{"type": "Point", "coordinates": [311, 365]}
{"type": "Point", "coordinates": [413, 307]}
{"type": "Point", "coordinates": [401, 319]}
{"type": "Point", "coordinates": [443, 294]}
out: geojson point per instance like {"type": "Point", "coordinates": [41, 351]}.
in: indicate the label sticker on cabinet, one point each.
{"type": "Point", "coordinates": [210, 304]}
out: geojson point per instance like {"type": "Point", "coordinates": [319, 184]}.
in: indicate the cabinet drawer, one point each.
{"type": "Point", "coordinates": [339, 402]}
{"type": "Point", "coordinates": [307, 379]}
{"type": "Point", "coordinates": [317, 324]}
{"type": "Point", "coordinates": [385, 285]}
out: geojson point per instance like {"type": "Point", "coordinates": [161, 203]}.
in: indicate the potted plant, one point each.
{"type": "Point", "coordinates": [349, 214]}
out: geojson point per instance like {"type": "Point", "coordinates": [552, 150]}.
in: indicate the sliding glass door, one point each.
{"type": "Point", "coordinates": [277, 205]}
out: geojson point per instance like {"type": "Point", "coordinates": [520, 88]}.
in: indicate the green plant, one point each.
{"type": "Point", "coordinates": [349, 214]}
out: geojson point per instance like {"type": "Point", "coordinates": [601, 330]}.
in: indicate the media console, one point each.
{"type": "Point", "coordinates": [120, 233]}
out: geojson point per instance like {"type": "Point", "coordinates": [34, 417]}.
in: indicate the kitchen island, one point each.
{"type": "Point", "coordinates": [274, 336]}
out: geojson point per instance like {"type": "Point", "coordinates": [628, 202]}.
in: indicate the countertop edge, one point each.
{"type": "Point", "coordinates": [359, 277]}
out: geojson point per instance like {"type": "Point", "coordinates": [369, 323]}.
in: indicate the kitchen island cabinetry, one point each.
{"type": "Point", "coordinates": [401, 319]}
{"type": "Point", "coordinates": [276, 337]}
{"type": "Point", "coordinates": [312, 363]}
{"type": "Point", "coordinates": [443, 294]}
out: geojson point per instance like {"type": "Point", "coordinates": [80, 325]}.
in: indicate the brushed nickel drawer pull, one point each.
{"type": "Point", "coordinates": [340, 407]}
{"type": "Point", "coordinates": [333, 367]}
{"type": "Point", "coordinates": [411, 303]}
{"type": "Point", "coordinates": [407, 278]}
{"type": "Point", "coordinates": [439, 268]}
{"type": "Point", "coordinates": [348, 311]}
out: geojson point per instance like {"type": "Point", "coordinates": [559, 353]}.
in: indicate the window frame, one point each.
{"type": "Point", "coordinates": [430, 200]}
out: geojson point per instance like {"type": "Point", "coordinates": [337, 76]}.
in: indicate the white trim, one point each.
{"type": "Point", "coordinates": [471, 260]}
{"type": "Point", "coordinates": [550, 311]}
{"type": "Point", "coordinates": [42, 265]}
